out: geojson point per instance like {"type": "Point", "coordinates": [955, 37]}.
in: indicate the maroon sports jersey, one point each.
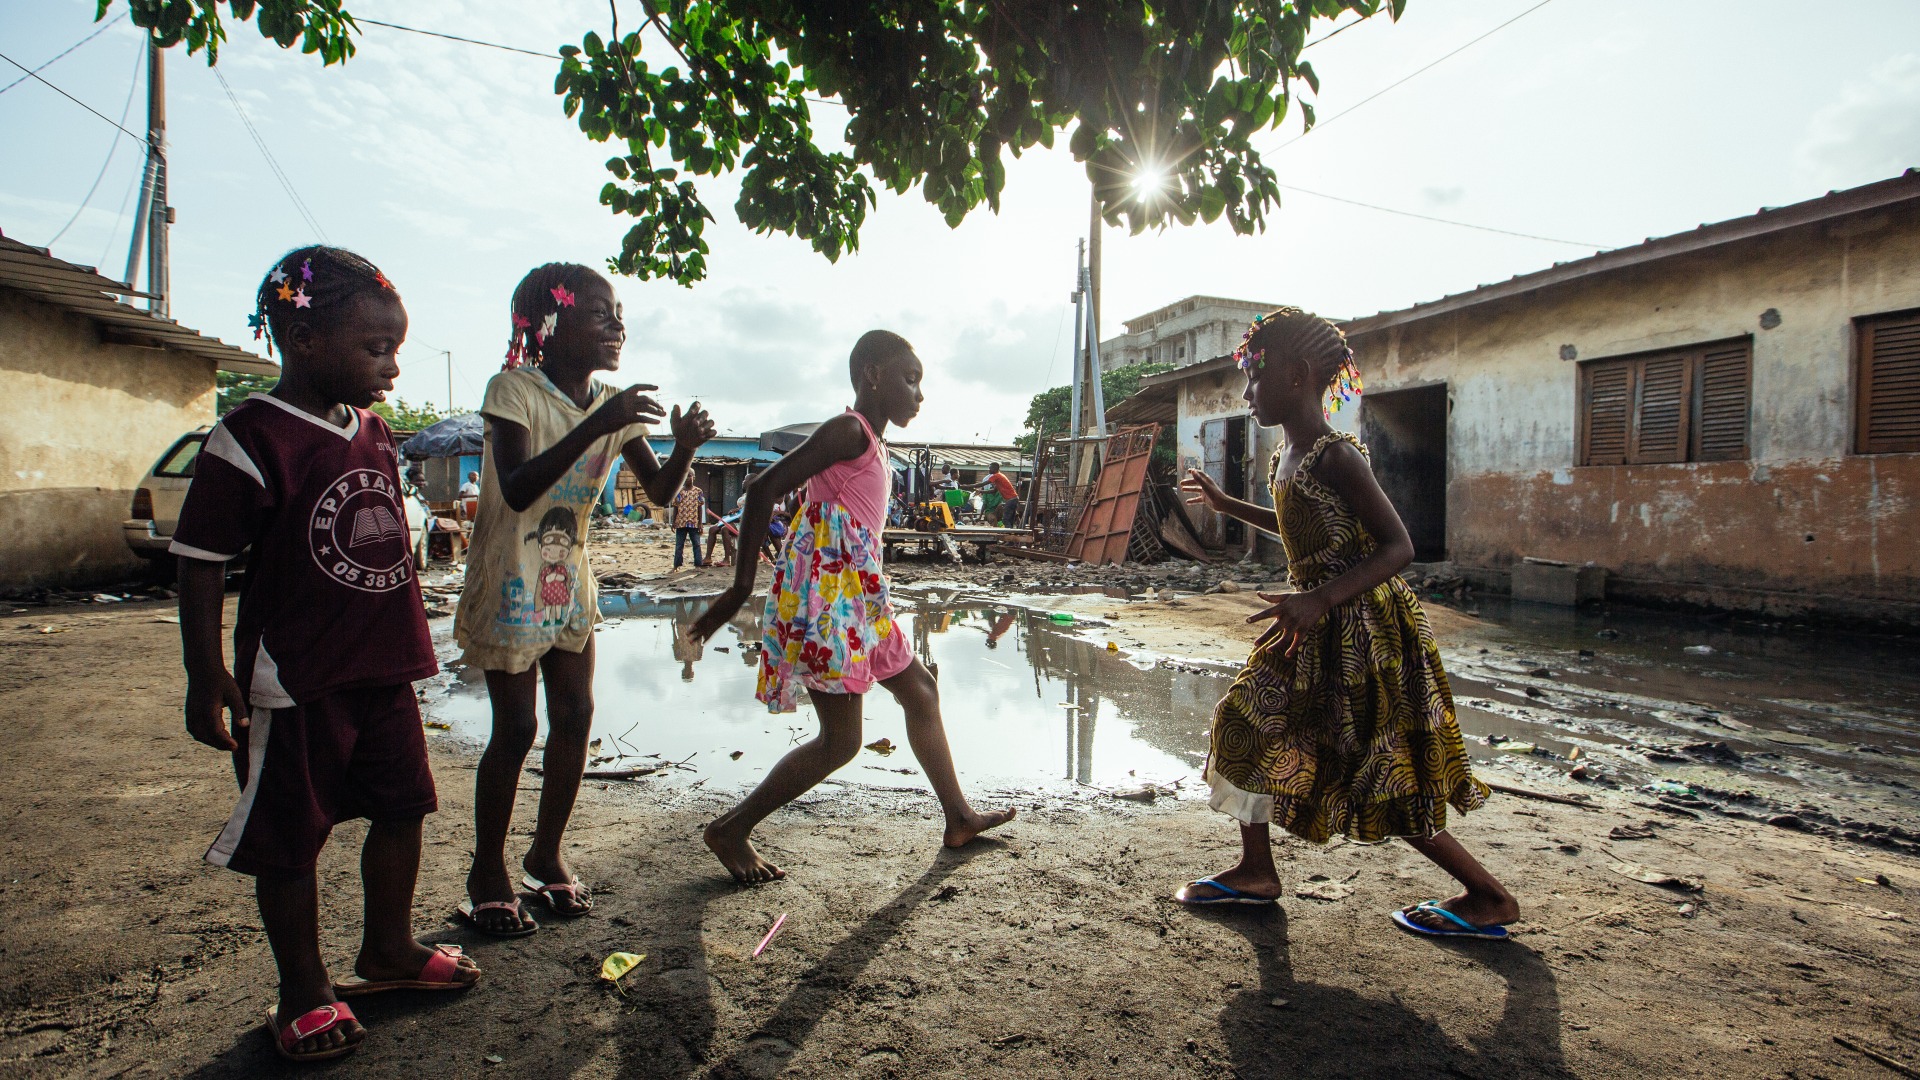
{"type": "Point", "coordinates": [330, 601]}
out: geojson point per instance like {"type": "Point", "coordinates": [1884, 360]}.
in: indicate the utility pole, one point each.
{"type": "Point", "coordinates": [150, 221]}
{"type": "Point", "coordinates": [1088, 407]}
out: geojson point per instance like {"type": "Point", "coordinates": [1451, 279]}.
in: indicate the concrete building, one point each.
{"type": "Point", "coordinates": [1727, 417]}
{"type": "Point", "coordinates": [92, 390]}
{"type": "Point", "coordinates": [1182, 333]}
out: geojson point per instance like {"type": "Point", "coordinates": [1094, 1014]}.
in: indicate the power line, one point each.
{"type": "Point", "coordinates": [279, 173]}
{"type": "Point", "coordinates": [63, 52]}
{"type": "Point", "coordinates": [456, 37]}
{"type": "Point", "coordinates": [1444, 221]}
{"type": "Point", "coordinates": [132, 85]}
{"type": "Point", "coordinates": [1323, 123]}
{"type": "Point", "coordinates": [1335, 33]}
{"type": "Point", "coordinates": [70, 97]}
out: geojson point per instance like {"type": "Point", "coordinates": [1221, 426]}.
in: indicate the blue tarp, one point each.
{"type": "Point", "coordinates": [456, 436]}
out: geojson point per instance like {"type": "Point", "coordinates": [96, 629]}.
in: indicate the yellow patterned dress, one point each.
{"type": "Point", "coordinates": [1354, 733]}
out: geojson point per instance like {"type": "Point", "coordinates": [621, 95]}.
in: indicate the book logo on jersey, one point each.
{"type": "Point", "coordinates": [359, 533]}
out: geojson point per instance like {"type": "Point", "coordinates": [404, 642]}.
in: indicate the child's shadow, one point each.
{"type": "Point", "coordinates": [1328, 1031]}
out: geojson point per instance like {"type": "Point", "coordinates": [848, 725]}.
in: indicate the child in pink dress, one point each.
{"type": "Point", "coordinates": [829, 624]}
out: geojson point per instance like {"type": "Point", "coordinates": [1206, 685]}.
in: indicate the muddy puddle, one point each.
{"type": "Point", "coordinates": [1027, 704]}
{"type": "Point", "coordinates": [1666, 705]}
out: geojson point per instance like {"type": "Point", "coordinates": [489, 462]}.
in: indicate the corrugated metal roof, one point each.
{"type": "Point", "coordinates": [965, 455]}
{"type": "Point", "coordinates": [1904, 188]}
{"type": "Point", "coordinates": [83, 291]}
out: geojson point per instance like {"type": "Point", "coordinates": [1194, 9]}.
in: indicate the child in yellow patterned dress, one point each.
{"type": "Point", "coordinates": [1342, 721]}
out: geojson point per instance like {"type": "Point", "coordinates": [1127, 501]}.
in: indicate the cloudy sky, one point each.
{"type": "Point", "coordinates": [1600, 122]}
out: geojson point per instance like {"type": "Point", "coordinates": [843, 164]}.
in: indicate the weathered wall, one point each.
{"type": "Point", "coordinates": [1805, 525]}
{"type": "Point", "coordinates": [80, 424]}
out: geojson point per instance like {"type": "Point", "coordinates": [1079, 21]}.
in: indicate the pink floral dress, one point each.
{"type": "Point", "coordinates": [829, 624]}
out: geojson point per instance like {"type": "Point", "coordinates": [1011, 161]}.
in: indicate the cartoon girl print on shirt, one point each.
{"type": "Point", "coordinates": [554, 589]}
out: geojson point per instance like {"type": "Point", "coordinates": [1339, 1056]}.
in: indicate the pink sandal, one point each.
{"type": "Point", "coordinates": [324, 1019]}
{"type": "Point", "coordinates": [575, 891]}
{"type": "Point", "coordinates": [470, 911]}
{"type": "Point", "coordinates": [436, 974]}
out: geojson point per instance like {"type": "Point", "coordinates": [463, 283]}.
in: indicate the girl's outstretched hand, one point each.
{"type": "Point", "coordinates": [1293, 614]}
{"type": "Point", "coordinates": [629, 406]}
{"type": "Point", "coordinates": [692, 427]}
{"type": "Point", "coordinates": [1202, 491]}
{"type": "Point", "coordinates": [723, 608]}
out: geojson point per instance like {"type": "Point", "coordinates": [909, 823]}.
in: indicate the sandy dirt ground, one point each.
{"type": "Point", "coordinates": [1050, 949]}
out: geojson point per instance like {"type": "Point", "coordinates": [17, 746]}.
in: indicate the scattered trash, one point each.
{"type": "Point", "coordinates": [106, 598]}
{"type": "Point", "coordinates": [53, 629]}
{"type": "Point", "coordinates": [1632, 832]}
{"type": "Point", "coordinates": [1062, 617]}
{"type": "Point", "coordinates": [175, 619]}
{"type": "Point", "coordinates": [1687, 911]}
{"type": "Point", "coordinates": [1578, 772]}
{"type": "Point", "coordinates": [1279, 1003]}
{"type": "Point", "coordinates": [438, 725]}
{"type": "Point", "coordinates": [1650, 876]}
{"type": "Point", "coordinates": [737, 754]}
{"type": "Point", "coordinates": [1699, 650]}
{"type": "Point", "coordinates": [1540, 673]}
{"type": "Point", "coordinates": [617, 965]}
{"type": "Point", "coordinates": [493, 1059]}
{"type": "Point", "coordinates": [1009, 1040]}
{"type": "Point", "coordinates": [1574, 754]}
{"type": "Point", "coordinates": [1512, 747]}
{"type": "Point", "coordinates": [1607, 634]}
{"type": "Point", "coordinates": [777, 924]}
{"type": "Point", "coordinates": [882, 746]}
{"type": "Point", "coordinates": [1669, 787]}
{"type": "Point", "coordinates": [1113, 646]}
{"type": "Point", "coordinates": [1144, 794]}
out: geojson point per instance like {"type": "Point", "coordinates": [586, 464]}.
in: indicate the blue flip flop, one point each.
{"type": "Point", "coordinates": [1460, 928]}
{"type": "Point", "coordinates": [1228, 895]}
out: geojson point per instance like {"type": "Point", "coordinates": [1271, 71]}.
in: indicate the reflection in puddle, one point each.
{"type": "Point", "coordinates": [1024, 703]}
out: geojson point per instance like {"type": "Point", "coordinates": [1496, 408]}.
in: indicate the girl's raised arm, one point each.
{"type": "Point", "coordinates": [1204, 491]}
{"type": "Point", "coordinates": [689, 429]}
{"type": "Point", "coordinates": [839, 439]}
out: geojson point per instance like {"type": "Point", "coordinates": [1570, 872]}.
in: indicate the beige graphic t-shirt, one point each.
{"type": "Point", "coordinates": [528, 587]}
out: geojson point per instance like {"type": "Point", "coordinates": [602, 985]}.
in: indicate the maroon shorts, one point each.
{"type": "Point", "coordinates": [352, 754]}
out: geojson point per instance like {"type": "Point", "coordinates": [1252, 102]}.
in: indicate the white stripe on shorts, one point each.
{"type": "Point", "coordinates": [257, 731]}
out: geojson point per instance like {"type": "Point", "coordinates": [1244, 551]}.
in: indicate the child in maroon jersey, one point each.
{"type": "Point", "coordinates": [329, 637]}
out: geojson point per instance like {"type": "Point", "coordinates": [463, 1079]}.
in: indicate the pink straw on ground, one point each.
{"type": "Point", "coordinates": [777, 923]}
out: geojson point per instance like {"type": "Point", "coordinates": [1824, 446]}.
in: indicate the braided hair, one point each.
{"type": "Point", "coordinates": [537, 301]}
{"type": "Point", "coordinates": [1290, 333]}
{"type": "Point", "coordinates": [310, 285]}
{"type": "Point", "coordinates": [874, 348]}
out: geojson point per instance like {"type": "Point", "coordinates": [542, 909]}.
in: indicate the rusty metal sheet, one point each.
{"type": "Point", "coordinates": [1106, 524]}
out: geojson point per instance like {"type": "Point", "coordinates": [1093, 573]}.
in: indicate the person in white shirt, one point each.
{"type": "Point", "coordinates": [471, 489]}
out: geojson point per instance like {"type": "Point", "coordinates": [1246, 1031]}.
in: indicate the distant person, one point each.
{"type": "Point", "coordinates": [829, 627]}
{"type": "Point", "coordinates": [689, 514]}
{"type": "Point", "coordinates": [330, 637]}
{"type": "Point", "coordinates": [471, 489]}
{"type": "Point", "coordinates": [723, 532]}
{"type": "Point", "coordinates": [1009, 508]}
{"type": "Point", "coordinates": [553, 434]}
{"type": "Point", "coordinates": [1341, 723]}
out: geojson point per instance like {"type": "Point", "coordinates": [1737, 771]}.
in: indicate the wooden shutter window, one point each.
{"type": "Point", "coordinates": [1660, 435]}
{"type": "Point", "coordinates": [1609, 395]}
{"type": "Point", "coordinates": [1889, 385]}
{"type": "Point", "coordinates": [1720, 425]}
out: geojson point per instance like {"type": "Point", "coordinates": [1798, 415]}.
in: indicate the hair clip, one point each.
{"type": "Point", "coordinates": [381, 279]}
{"type": "Point", "coordinates": [562, 297]}
{"type": "Point", "coordinates": [1347, 386]}
{"type": "Point", "coordinates": [259, 324]}
{"type": "Point", "coordinates": [1250, 359]}
{"type": "Point", "coordinates": [284, 292]}
{"type": "Point", "coordinates": [306, 270]}
{"type": "Point", "coordinates": [301, 299]}
{"type": "Point", "coordinates": [277, 276]}
{"type": "Point", "coordinates": [547, 326]}
{"type": "Point", "coordinates": [521, 322]}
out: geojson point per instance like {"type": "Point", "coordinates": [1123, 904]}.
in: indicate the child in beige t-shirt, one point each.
{"type": "Point", "coordinates": [553, 435]}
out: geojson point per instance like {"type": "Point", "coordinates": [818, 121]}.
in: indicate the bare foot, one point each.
{"type": "Point", "coordinates": [1248, 883]}
{"type": "Point", "coordinates": [1480, 909]}
{"type": "Point", "coordinates": [961, 833]}
{"type": "Point", "coordinates": [736, 853]}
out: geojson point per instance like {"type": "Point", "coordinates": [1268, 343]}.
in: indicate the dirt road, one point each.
{"type": "Point", "coordinates": [1049, 950]}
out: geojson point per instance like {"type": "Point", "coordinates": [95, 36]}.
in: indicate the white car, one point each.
{"type": "Point", "coordinates": [156, 506]}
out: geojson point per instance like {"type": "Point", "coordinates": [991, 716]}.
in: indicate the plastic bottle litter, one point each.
{"type": "Point", "coordinates": [1061, 616]}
